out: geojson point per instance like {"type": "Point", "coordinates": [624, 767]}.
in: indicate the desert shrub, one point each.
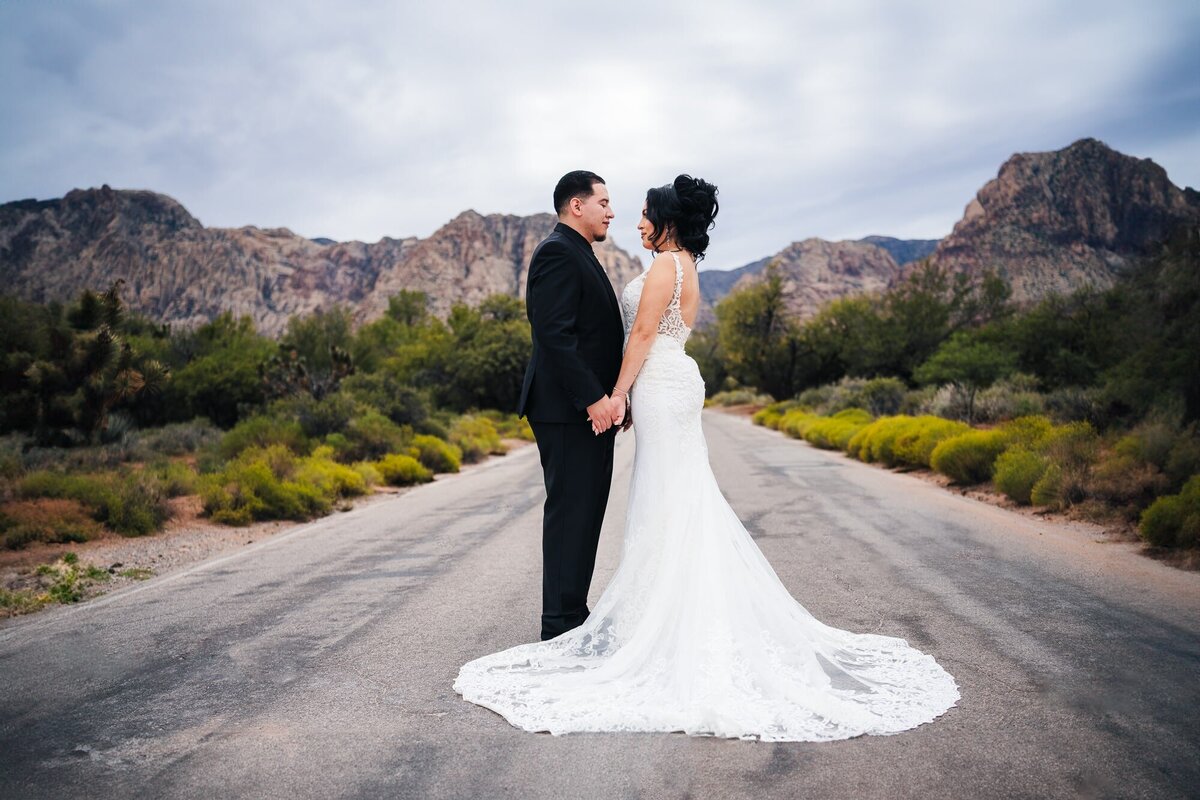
{"type": "Point", "coordinates": [133, 502]}
{"type": "Point", "coordinates": [882, 396]}
{"type": "Point", "coordinates": [263, 431]}
{"type": "Point", "coordinates": [915, 444]}
{"type": "Point", "coordinates": [1027, 431]}
{"type": "Point", "coordinates": [437, 455]}
{"type": "Point", "coordinates": [177, 478]}
{"type": "Point", "coordinates": [259, 485]}
{"type": "Point", "coordinates": [739, 397]}
{"type": "Point", "coordinates": [1017, 470]}
{"type": "Point", "coordinates": [1127, 482]}
{"type": "Point", "coordinates": [969, 457]}
{"type": "Point", "coordinates": [1014, 396]}
{"type": "Point", "coordinates": [833, 433]}
{"type": "Point", "coordinates": [176, 438]}
{"type": "Point", "coordinates": [1174, 520]}
{"type": "Point", "coordinates": [1076, 404]}
{"type": "Point", "coordinates": [477, 438]}
{"type": "Point", "coordinates": [46, 520]}
{"type": "Point", "coordinates": [402, 470]}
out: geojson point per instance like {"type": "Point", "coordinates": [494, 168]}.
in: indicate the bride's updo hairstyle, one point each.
{"type": "Point", "coordinates": [685, 208]}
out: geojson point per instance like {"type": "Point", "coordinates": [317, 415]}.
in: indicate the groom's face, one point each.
{"type": "Point", "coordinates": [595, 213]}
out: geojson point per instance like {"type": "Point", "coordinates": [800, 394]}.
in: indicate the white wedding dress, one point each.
{"type": "Point", "coordinates": [695, 632]}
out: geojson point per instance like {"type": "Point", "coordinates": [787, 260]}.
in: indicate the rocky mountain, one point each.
{"type": "Point", "coordinates": [1049, 222]}
{"type": "Point", "coordinates": [1057, 221]}
{"type": "Point", "coordinates": [176, 270]}
{"type": "Point", "coordinates": [816, 271]}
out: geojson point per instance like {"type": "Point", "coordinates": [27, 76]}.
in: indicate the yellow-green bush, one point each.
{"type": "Point", "coordinates": [795, 422]}
{"type": "Point", "coordinates": [969, 457]}
{"type": "Point", "coordinates": [476, 437]}
{"type": "Point", "coordinates": [1174, 520]}
{"type": "Point", "coordinates": [402, 470]}
{"type": "Point", "coordinates": [770, 416]}
{"type": "Point", "coordinates": [876, 441]}
{"type": "Point", "coordinates": [437, 455]}
{"type": "Point", "coordinates": [1016, 472]}
{"type": "Point", "coordinates": [914, 445]}
{"type": "Point", "coordinates": [834, 433]}
{"type": "Point", "coordinates": [260, 484]}
{"type": "Point", "coordinates": [331, 478]}
{"type": "Point", "coordinates": [1027, 431]}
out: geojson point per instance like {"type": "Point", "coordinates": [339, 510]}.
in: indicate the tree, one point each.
{"type": "Point", "coordinates": [757, 336]}
{"type": "Point", "coordinates": [968, 364]}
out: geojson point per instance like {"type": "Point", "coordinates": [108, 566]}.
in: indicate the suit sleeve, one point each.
{"type": "Point", "coordinates": [553, 296]}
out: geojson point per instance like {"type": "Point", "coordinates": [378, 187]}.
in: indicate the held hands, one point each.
{"type": "Point", "coordinates": [601, 414]}
{"type": "Point", "coordinates": [622, 410]}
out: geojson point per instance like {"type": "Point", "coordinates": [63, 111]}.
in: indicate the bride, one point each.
{"type": "Point", "coordinates": [695, 632]}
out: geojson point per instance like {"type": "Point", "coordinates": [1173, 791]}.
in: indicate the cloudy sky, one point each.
{"type": "Point", "coordinates": [357, 120]}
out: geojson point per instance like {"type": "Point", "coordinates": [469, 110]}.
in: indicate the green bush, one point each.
{"type": "Point", "coordinates": [1174, 520]}
{"type": "Point", "coordinates": [969, 457]}
{"type": "Point", "coordinates": [1027, 431]}
{"type": "Point", "coordinates": [1016, 472]}
{"type": "Point", "coordinates": [437, 455]}
{"type": "Point", "coordinates": [476, 437]}
{"type": "Point", "coordinates": [263, 431]}
{"type": "Point", "coordinates": [371, 436]}
{"type": "Point", "coordinates": [402, 470]}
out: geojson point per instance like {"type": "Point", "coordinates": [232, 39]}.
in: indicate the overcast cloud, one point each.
{"type": "Point", "coordinates": [358, 120]}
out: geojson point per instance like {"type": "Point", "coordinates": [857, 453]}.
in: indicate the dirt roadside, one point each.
{"type": "Point", "coordinates": [187, 538]}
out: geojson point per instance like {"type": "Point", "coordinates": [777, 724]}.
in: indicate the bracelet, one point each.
{"type": "Point", "coordinates": [617, 391]}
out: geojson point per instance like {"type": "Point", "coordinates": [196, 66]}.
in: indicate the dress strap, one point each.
{"type": "Point", "coordinates": [677, 295]}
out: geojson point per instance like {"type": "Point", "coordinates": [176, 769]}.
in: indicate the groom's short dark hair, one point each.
{"type": "Point", "coordinates": [574, 184]}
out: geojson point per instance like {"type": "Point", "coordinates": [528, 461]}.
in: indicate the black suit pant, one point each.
{"type": "Point", "coordinates": [577, 466]}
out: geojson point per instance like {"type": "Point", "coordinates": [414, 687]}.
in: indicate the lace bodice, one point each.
{"type": "Point", "coordinates": [672, 323]}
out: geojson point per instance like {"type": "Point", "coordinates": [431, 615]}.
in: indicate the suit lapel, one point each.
{"type": "Point", "coordinates": [590, 255]}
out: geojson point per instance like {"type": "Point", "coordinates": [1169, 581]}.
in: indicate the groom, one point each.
{"type": "Point", "coordinates": [578, 337]}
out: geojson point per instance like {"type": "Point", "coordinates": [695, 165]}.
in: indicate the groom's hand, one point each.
{"type": "Point", "coordinates": [600, 413]}
{"type": "Point", "coordinates": [628, 416]}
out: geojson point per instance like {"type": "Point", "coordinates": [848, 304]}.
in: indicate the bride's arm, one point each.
{"type": "Point", "coordinates": [656, 296]}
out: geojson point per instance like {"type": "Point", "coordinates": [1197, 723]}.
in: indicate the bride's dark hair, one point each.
{"type": "Point", "coordinates": [686, 208]}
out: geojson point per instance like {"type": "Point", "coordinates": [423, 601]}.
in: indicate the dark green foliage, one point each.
{"type": "Point", "coordinates": [217, 374]}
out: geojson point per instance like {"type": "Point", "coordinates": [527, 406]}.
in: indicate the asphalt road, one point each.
{"type": "Point", "coordinates": [319, 663]}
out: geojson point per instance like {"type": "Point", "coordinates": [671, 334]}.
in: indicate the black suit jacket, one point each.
{"type": "Point", "coordinates": [578, 334]}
